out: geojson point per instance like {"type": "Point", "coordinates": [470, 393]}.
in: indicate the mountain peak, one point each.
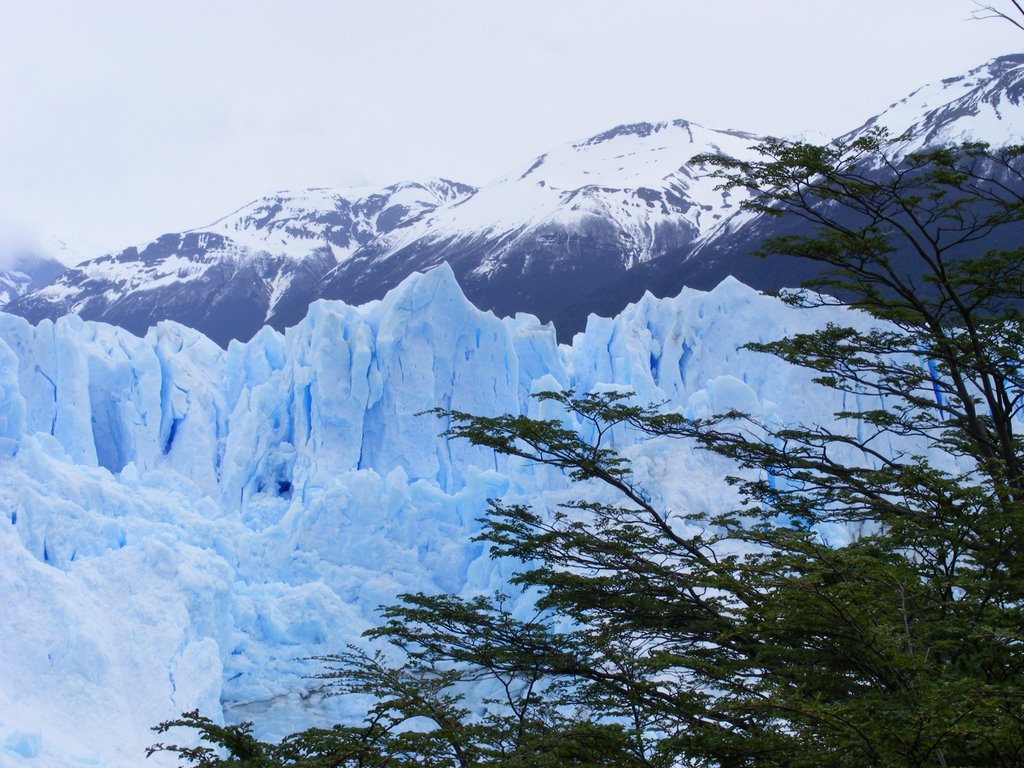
{"type": "Point", "coordinates": [640, 130]}
{"type": "Point", "coordinates": [302, 221]}
{"type": "Point", "coordinates": [985, 104]}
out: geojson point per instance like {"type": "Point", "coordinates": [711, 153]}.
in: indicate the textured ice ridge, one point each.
{"type": "Point", "coordinates": [181, 525]}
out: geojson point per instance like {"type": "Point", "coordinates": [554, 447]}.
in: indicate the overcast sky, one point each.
{"type": "Point", "coordinates": [123, 119]}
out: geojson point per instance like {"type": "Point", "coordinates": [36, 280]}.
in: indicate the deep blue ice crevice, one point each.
{"type": "Point", "coordinates": [53, 395]}
{"type": "Point", "coordinates": [171, 432]}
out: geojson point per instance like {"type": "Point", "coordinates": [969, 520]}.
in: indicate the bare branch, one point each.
{"type": "Point", "coordinates": [985, 11]}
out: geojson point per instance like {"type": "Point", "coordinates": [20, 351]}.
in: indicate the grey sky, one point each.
{"type": "Point", "coordinates": [127, 118]}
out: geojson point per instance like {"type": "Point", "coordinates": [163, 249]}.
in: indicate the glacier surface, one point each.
{"type": "Point", "coordinates": [182, 525]}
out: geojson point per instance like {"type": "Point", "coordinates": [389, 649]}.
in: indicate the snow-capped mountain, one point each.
{"type": "Point", "coordinates": [586, 227]}
{"type": "Point", "coordinates": [573, 222]}
{"type": "Point", "coordinates": [14, 282]}
{"type": "Point", "coordinates": [227, 279]}
{"type": "Point", "coordinates": [983, 105]}
{"type": "Point", "coordinates": [543, 239]}
{"type": "Point", "coordinates": [30, 262]}
{"type": "Point", "coordinates": [25, 273]}
{"type": "Point", "coordinates": [540, 239]}
{"type": "Point", "coordinates": [299, 225]}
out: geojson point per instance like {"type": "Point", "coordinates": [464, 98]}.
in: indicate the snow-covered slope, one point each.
{"type": "Point", "coordinates": [230, 277]}
{"type": "Point", "coordinates": [14, 282]}
{"type": "Point", "coordinates": [985, 104]}
{"type": "Point", "coordinates": [180, 524]}
{"type": "Point", "coordinates": [26, 273]}
{"type": "Point", "coordinates": [636, 177]}
{"type": "Point", "coordinates": [31, 262]}
{"type": "Point", "coordinates": [299, 224]}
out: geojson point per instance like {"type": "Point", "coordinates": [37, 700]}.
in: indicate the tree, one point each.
{"type": "Point", "coordinates": [758, 641]}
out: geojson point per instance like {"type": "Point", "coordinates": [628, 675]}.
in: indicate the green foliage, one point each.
{"type": "Point", "coordinates": [757, 641]}
{"type": "Point", "coordinates": [314, 748]}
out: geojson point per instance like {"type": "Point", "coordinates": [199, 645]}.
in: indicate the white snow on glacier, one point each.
{"type": "Point", "coordinates": [180, 526]}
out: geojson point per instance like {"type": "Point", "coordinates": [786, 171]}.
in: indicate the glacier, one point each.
{"type": "Point", "coordinates": [182, 526]}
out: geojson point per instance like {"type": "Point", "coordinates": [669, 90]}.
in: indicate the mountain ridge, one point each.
{"type": "Point", "coordinates": [587, 226]}
{"type": "Point", "coordinates": [226, 279]}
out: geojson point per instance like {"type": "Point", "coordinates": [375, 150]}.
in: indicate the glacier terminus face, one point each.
{"type": "Point", "coordinates": [181, 526]}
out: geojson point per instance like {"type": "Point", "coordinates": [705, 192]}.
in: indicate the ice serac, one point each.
{"type": "Point", "coordinates": [182, 524]}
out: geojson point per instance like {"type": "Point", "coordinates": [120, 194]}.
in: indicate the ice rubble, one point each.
{"type": "Point", "coordinates": [181, 525]}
